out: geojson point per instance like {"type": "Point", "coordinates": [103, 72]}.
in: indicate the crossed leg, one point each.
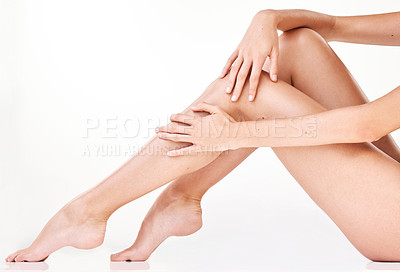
{"type": "Point", "coordinates": [306, 62]}
{"type": "Point", "coordinates": [353, 197]}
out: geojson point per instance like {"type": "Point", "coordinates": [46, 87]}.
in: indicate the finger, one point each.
{"type": "Point", "coordinates": [228, 64]}
{"type": "Point", "coordinates": [273, 73]}
{"type": "Point", "coordinates": [174, 137]}
{"type": "Point", "coordinates": [182, 118]}
{"type": "Point", "coordinates": [212, 109]}
{"type": "Point", "coordinates": [175, 128]}
{"type": "Point", "coordinates": [241, 78]}
{"type": "Point", "coordinates": [254, 79]}
{"type": "Point", "coordinates": [181, 152]}
{"type": "Point", "coordinates": [233, 73]}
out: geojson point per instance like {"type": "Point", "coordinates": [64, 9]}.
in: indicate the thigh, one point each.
{"type": "Point", "coordinates": [308, 63]}
{"type": "Point", "coordinates": [357, 185]}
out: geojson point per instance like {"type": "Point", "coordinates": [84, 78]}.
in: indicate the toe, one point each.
{"type": "Point", "coordinates": [114, 257]}
{"type": "Point", "coordinates": [11, 257]}
{"type": "Point", "coordinates": [122, 256]}
{"type": "Point", "coordinates": [21, 257]}
{"type": "Point", "coordinates": [30, 257]}
{"type": "Point", "coordinates": [130, 254]}
{"type": "Point", "coordinates": [117, 257]}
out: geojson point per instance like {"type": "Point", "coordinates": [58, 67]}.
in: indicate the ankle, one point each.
{"type": "Point", "coordinates": [85, 210]}
{"type": "Point", "coordinates": [183, 193]}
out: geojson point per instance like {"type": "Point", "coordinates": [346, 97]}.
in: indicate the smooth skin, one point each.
{"type": "Point", "coordinates": [307, 62]}
{"type": "Point", "coordinates": [261, 44]}
{"type": "Point", "coordinates": [363, 123]}
{"type": "Point", "coordinates": [345, 196]}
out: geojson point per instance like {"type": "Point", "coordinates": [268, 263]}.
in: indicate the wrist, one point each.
{"type": "Point", "coordinates": [269, 16]}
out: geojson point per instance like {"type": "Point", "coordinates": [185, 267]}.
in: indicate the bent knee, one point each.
{"type": "Point", "coordinates": [300, 38]}
{"type": "Point", "coordinates": [267, 103]}
{"type": "Point", "coordinates": [215, 94]}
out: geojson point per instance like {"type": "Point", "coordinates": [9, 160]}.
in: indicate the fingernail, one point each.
{"type": "Point", "coordinates": [169, 153]}
{"type": "Point", "coordinates": [233, 98]}
{"type": "Point", "coordinates": [222, 75]}
{"type": "Point", "coordinates": [228, 90]}
{"type": "Point", "coordinates": [159, 134]}
{"type": "Point", "coordinates": [157, 129]}
{"type": "Point", "coordinates": [274, 77]}
{"type": "Point", "coordinates": [251, 98]}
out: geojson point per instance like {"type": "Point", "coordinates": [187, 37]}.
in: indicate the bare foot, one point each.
{"type": "Point", "coordinates": [173, 214]}
{"type": "Point", "coordinates": [71, 226]}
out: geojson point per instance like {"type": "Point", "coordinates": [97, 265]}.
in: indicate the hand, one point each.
{"type": "Point", "coordinates": [259, 42]}
{"type": "Point", "coordinates": [214, 132]}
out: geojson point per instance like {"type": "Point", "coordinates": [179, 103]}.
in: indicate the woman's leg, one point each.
{"type": "Point", "coordinates": [357, 185]}
{"type": "Point", "coordinates": [177, 211]}
{"type": "Point", "coordinates": [143, 173]}
{"type": "Point", "coordinates": [82, 222]}
{"type": "Point", "coordinates": [308, 63]}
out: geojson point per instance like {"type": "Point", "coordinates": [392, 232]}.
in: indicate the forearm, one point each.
{"type": "Point", "coordinates": [345, 125]}
{"type": "Point", "coordinates": [378, 29]}
{"type": "Point", "coordinates": [295, 18]}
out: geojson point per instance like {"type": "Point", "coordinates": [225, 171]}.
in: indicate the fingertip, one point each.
{"type": "Point", "coordinates": [234, 98]}
{"type": "Point", "coordinates": [274, 77]}
{"type": "Point", "coordinates": [251, 97]}
{"type": "Point", "coordinates": [228, 90]}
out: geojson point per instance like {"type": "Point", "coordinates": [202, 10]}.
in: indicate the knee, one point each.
{"type": "Point", "coordinates": [267, 104]}
{"type": "Point", "coordinates": [215, 94]}
{"type": "Point", "coordinates": [300, 39]}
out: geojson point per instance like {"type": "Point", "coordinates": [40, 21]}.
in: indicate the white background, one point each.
{"type": "Point", "coordinates": [62, 62]}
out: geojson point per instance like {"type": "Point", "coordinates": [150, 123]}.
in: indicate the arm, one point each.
{"type": "Point", "coordinates": [218, 131]}
{"type": "Point", "coordinates": [355, 124]}
{"type": "Point", "coordinates": [379, 29]}
{"type": "Point", "coordinates": [261, 40]}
